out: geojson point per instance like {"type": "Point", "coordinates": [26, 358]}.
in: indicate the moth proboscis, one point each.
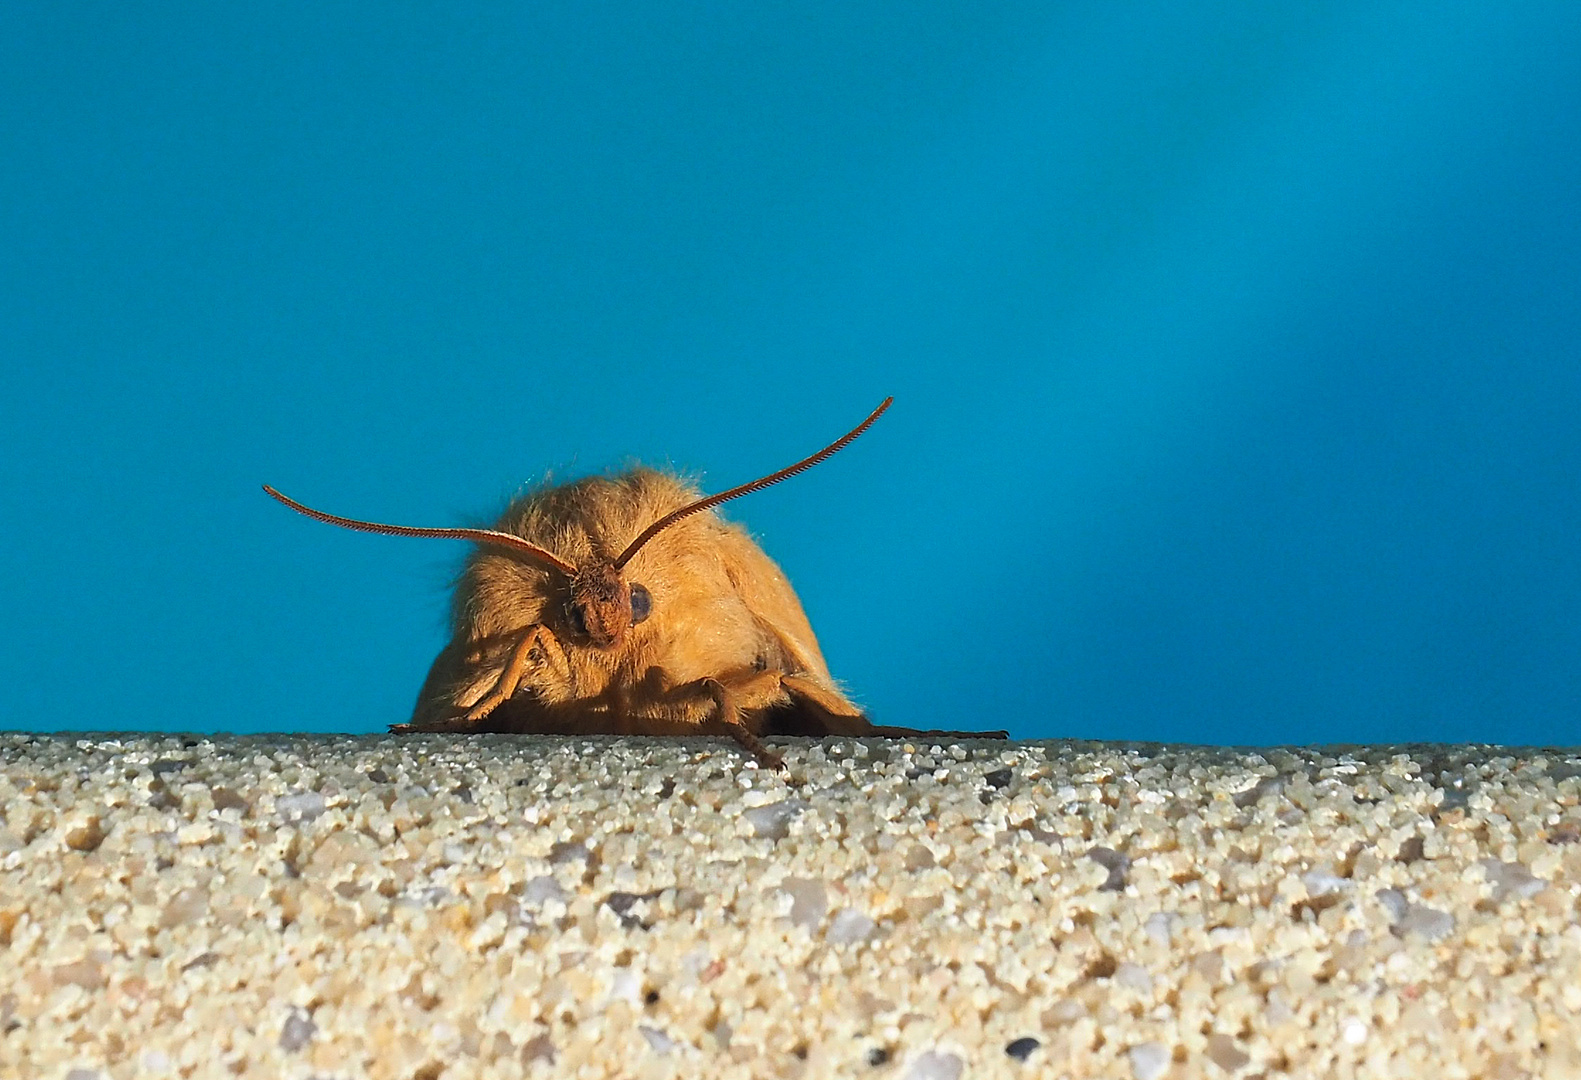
{"type": "Point", "coordinates": [624, 605]}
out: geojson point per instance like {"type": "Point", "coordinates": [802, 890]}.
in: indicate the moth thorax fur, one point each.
{"type": "Point", "coordinates": [601, 604]}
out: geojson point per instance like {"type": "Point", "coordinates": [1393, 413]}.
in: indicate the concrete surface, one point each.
{"type": "Point", "coordinates": [433, 906]}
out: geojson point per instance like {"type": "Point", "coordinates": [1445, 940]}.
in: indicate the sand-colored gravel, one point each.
{"type": "Point", "coordinates": [427, 906]}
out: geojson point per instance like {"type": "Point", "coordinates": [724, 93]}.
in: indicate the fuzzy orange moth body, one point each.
{"type": "Point", "coordinates": [624, 605]}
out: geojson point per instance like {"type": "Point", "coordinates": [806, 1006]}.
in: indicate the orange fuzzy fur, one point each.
{"type": "Point", "coordinates": [722, 611]}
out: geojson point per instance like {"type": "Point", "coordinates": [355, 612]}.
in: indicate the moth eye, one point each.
{"type": "Point", "coordinates": [578, 620]}
{"type": "Point", "coordinates": [641, 603]}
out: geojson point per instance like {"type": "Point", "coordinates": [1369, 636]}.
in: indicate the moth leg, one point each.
{"type": "Point", "coordinates": [440, 725]}
{"type": "Point", "coordinates": [840, 716]}
{"type": "Point", "coordinates": [728, 702]}
{"type": "Point", "coordinates": [844, 720]}
{"type": "Point", "coordinates": [914, 733]}
{"type": "Point", "coordinates": [535, 636]}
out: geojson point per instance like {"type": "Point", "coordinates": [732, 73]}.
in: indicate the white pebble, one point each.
{"type": "Point", "coordinates": [1160, 926]}
{"type": "Point", "coordinates": [1322, 881]}
{"type": "Point", "coordinates": [1395, 901]}
{"type": "Point", "coordinates": [1355, 1032]}
{"type": "Point", "coordinates": [661, 1043]}
{"type": "Point", "coordinates": [625, 985]}
{"type": "Point", "coordinates": [1511, 879]}
{"type": "Point", "coordinates": [1430, 923]}
{"type": "Point", "coordinates": [936, 1065]}
{"type": "Point", "coordinates": [809, 901]}
{"type": "Point", "coordinates": [1148, 1060]}
{"type": "Point", "coordinates": [1278, 1010]}
{"type": "Point", "coordinates": [772, 822]}
{"type": "Point", "coordinates": [300, 806]}
{"type": "Point", "coordinates": [849, 927]}
{"type": "Point", "coordinates": [541, 888]}
{"type": "Point", "coordinates": [1134, 977]}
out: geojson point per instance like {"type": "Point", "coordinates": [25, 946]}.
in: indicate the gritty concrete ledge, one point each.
{"type": "Point", "coordinates": [433, 906]}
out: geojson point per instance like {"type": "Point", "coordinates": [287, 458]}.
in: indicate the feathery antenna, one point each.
{"type": "Point", "coordinates": [746, 489]}
{"type": "Point", "coordinates": [478, 536]}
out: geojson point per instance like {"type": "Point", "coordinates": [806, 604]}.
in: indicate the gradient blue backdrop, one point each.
{"type": "Point", "coordinates": [1234, 347]}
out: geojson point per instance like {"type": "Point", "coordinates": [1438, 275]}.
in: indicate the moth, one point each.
{"type": "Point", "coordinates": [624, 605]}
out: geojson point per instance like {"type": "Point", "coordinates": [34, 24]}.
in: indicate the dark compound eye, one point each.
{"type": "Point", "coordinates": [578, 620]}
{"type": "Point", "coordinates": [641, 603]}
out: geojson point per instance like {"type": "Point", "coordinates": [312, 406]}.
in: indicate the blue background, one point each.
{"type": "Point", "coordinates": [1235, 347]}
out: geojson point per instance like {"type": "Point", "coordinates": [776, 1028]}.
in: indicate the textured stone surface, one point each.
{"type": "Point", "coordinates": [288, 906]}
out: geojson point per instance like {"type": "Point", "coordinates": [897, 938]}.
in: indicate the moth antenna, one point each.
{"type": "Point", "coordinates": [746, 489]}
{"type": "Point", "coordinates": [478, 536]}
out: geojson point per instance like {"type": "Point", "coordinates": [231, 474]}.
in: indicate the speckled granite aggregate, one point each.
{"type": "Point", "coordinates": [431, 906]}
